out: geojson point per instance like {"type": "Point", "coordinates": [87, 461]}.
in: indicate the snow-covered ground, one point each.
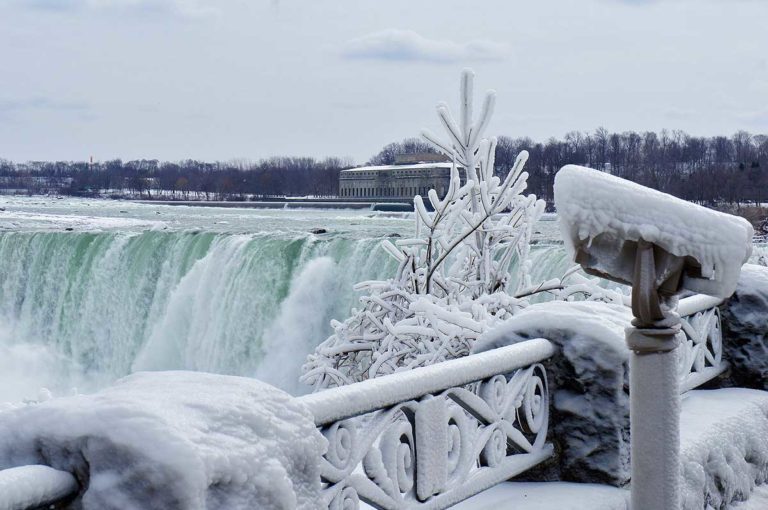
{"type": "Point", "coordinates": [548, 496]}
{"type": "Point", "coordinates": [174, 440]}
{"type": "Point", "coordinates": [724, 461]}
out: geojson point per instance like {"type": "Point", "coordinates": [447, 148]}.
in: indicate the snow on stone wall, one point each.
{"type": "Point", "coordinates": [745, 329]}
{"type": "Point", "coordinates": [590, 413]}
{"type": "Point", "coordinates": [174, 440]}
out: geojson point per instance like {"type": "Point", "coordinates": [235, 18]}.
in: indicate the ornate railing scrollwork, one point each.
{"type": "Point", "coordinates": [700, 354]}
{"type": "Point", "coordinates": [441, 447]}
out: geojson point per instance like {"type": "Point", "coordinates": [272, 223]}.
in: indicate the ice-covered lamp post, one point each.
{"type": "Point", "coordinates": [659, 245]}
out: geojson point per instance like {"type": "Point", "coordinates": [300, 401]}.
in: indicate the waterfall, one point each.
{"type": "Point", "coordinates": [81, 309]}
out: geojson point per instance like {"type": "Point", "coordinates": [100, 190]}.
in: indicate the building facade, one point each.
{"type": "Point", "coordinates": [403, 180]}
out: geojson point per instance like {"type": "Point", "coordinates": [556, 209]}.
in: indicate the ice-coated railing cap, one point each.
{"type": "Point", "coordinates": [603, 217]}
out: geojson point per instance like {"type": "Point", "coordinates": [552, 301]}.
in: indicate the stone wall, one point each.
{"type": "Point", "coordinates": [588, 382]}
{"type": "Point", "coordinates": [745, 329]}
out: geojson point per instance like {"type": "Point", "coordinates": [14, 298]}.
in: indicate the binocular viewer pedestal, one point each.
{"type": "Point", "coordinates": [661, 246]}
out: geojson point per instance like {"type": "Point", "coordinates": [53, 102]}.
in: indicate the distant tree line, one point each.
{"type": "Point", "coordinates": [708, 170]}
{"type": "Point", "coordinates": [190, 179]}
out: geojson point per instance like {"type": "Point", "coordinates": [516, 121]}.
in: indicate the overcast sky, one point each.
{"type": "Point", "coordinates": [223, 79]}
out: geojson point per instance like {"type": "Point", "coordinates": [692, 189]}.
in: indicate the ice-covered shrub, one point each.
{"type": "Point", "coordinates": [453, 277]}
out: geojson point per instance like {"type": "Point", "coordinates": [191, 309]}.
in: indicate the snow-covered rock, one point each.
{"type": "Point", "coordinates": [603, 212]}
{"type": "Point", "coordinates": [588, 383]}
{"type": "Point", "coordinates": [745, 329]}
{"type": "Point", "coordinates": [174, 440]}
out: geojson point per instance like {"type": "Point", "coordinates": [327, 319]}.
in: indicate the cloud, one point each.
{"type": "Point", "coordinates": [679, 114]}
{"type": "Point", "coordinates": [407, 45]}
{"type": "Point", "coordinates": [10, 107]}
{"type": "Point", "coordinates": [755, 117]}
{"type": "Point", "coordinates": [183, 8]}
{"type": "Point", "coordinates": [40, 103]}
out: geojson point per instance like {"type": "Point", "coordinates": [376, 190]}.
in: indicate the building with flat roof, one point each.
{"type": "Point", "coordinates": [410, 176]}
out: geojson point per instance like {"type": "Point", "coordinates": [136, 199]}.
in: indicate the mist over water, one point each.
{"type": "Point", "coordinates": [141, 287]}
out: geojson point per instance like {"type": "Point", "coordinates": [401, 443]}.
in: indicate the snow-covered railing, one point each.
{"type": "Point", "coordinates": [28, 487]}
{"type": "Point", "coordinates": [436, 435]}
{"type": "Point", "coordinates": [700, 353]}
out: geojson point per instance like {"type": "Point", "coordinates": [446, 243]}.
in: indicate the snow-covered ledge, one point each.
{"type": "Point", "coordinates": [433, 436]}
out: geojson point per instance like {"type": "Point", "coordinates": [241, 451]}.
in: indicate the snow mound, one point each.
{"type": "Point", "coordinates": [593, 205]}
{"type": "Point", "coordinates": [724, 446]}
{"type": "Point", "coordinates": [548, 496]}
{"type": "Point", "coordinates": [174, 440]}
{"type": "Point", "coordinates": [605, 322]}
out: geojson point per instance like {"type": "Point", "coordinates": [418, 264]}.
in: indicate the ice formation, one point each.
{"type": "Point", "coordinates": [174, 440]}
{"type": "Point", "coordinates": [594, 207]}
{"type": "Point", "coordinates": [724, 447]}
{"type": "Point", "coordinates": [453, 278]}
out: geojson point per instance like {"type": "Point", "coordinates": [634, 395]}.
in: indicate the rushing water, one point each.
{"type": "Point", "coordinates": [92, 290]}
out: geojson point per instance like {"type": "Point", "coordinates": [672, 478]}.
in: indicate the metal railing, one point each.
{"type": "Point", "coordinates": [700, 354]}
{"type": "Point", "coordinates": [30, 487]}
{"type": "Point", "coordinates": [434, 436]}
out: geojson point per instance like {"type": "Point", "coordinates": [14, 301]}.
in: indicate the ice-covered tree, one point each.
{"type": "Point", "coordinates": [454, 277]}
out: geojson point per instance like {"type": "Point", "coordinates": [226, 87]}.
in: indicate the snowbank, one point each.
{"type": "Point", "coordinates": [724, 446]}
{"type": "Point", "coordinates": [745, 329]}
{"type": "Point", "coordinates": [548, 496]}
{"type": "Point", "coordinates": [588, 375]}
{"type": "Point", "coordinates": [600, 209]}
{"type": "Point", "coordinates": [174, 440]}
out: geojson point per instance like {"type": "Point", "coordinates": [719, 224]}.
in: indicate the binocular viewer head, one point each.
{"type": "Point", "coordinates": [609, 224]}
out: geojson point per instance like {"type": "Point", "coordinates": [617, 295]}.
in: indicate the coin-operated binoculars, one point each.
{"type": "Point", "coordinates": [661, 246]}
